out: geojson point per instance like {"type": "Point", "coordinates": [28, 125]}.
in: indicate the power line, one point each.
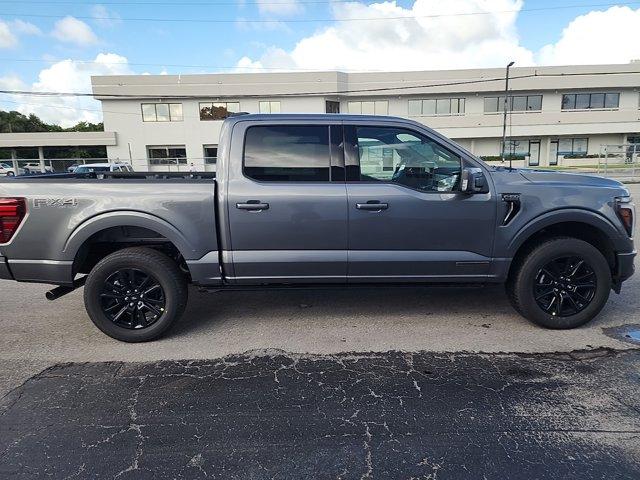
{"type": "Point", "coordinates": [287, 94]}
{"type": "Point", "coordinates": [177, 65]}
{"type": "Point", "coordinates": [172, 4]}
{"type": "Point", "coordinates": [307, 20]}
{"type": "Point", "coordinates": [312, 93]}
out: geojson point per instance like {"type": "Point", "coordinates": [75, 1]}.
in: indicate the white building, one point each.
{"type": "Point", "coordinates": [170, 121]}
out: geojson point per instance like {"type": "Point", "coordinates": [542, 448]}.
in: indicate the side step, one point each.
{"type": "Point", "coordinates": [63, 290]}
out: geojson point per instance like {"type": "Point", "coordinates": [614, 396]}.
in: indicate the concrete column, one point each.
{"type": "Point", "coordinates": [545, 149]}
{"type": "Point", "coordinates": [41, 157]}
{"type": "Point", "coordinates": [14, 161]}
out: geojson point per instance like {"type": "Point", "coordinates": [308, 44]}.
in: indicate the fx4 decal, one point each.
{"type": "Point", "coordinates": [55, 202]}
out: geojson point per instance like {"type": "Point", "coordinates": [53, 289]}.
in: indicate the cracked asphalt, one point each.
{"type": "Point", "coordinates": [345, 416]}
{"type": "Point", "coordinates": [389, 383]}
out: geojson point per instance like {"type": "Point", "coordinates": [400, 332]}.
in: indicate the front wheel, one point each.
{"type": "Point", "coordinates": [562, 283]}
{"type": "Point", "coordinates": [10, 174]}
{"type": "Point", "coordinates": [135, 294]}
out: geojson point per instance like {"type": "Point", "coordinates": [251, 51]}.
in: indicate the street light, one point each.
{"type": "Point", "coordinates": [504, 114]}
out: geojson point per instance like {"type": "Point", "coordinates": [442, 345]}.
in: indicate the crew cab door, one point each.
{"type": "Point", "coordinates": [408, 220]}
{"type": "Point", "coordinates": [287, 206]}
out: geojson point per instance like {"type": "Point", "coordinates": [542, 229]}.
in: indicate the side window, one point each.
{"type": "Point", "coordinates": [287, 153]}
{"type": "Point", "coordinates": [405, 157]}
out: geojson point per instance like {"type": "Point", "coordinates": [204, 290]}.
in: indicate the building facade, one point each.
{"type": "Point", "coordinates": [555, 113]}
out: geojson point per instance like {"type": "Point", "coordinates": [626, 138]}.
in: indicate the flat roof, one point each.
{"type": "Point", "coordinates": [56, 139]}
{"type": "Point", "coordinates": [372, 84]}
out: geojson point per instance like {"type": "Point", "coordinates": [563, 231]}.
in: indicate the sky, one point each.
{"type": "Point", "coordinates": [57, 45]}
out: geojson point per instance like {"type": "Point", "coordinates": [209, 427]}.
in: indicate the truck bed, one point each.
{"type": "Point", "coordinates": [67, 211]}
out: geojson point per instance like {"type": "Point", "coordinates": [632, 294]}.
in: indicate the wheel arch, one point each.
{"type": "Point", "coordinates": [117, 230]}
{"type": "Point", "coordinates": [581, 224]}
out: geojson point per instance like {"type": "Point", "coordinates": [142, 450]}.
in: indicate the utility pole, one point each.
{"type": "Point", "coordinates": [504, 114]}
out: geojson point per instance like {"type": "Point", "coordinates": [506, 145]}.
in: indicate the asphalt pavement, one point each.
{"type": "Point", "coordinates": [65, 386]}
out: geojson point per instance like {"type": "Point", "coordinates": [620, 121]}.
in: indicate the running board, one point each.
{"type": "Point", "coordinates": [63, 290]}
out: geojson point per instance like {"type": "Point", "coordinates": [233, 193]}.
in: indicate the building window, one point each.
{"type": "Point", "coordinates": [332, 107]}
{"type": "Point", "coordinates": [210, 154]}
{"type": "Point", "coordinates": [287, 153]}
{"type": "Point", "coordinates": [162, 112]}
{"type": "Point", "coordinates": [436, 106]}
{"type": "Point", "coordinates": [518, 149]}
{"type": "Point", "coordinates": [167, 155]}
{"type": "Point", "coordinates": [587, 101]}
{"type": "Point", "coordinates": [573, 146]}
{"type": "Point", "coordinates": [516, 103]}
{"type": "Point", "coordinates": [269, 107]}
{"type": "Point", "coordinates": [379, 107]}
{"type": "Point", "coordinates": [218, 110]}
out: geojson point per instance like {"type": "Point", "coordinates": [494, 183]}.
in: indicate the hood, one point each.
{"type": "Point", "coordinates": [546, 176]}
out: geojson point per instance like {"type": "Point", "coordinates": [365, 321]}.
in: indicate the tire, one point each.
{"type": "Point", "coordinates": [10, 174]}
{"type": "Point", "coordinates": [539, 279]}
{"type": "Point", "coordinates": [134, 317]}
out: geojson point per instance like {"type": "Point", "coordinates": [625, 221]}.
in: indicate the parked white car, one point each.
{"type": "Point", "coordinates": [103, 167]}
{"type": "Point", "coordinates": [34, 167]}
{"type": "Point", "coordinates": [8, 170]}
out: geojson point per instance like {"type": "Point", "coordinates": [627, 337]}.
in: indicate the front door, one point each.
{"type": "Point", "coordinates": [534, 154]}
{"type": "Point", "coordinates": [407, 219]}
{"type": "Point", "coordinates": [286, 205]}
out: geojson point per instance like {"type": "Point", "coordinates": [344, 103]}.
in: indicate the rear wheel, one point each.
{"type": "Point", "coordinates": [10, 174]}
{"type": "Point", "coordinates": [135, 294]}
{"type": "Point", "coordinates": [561, 283]}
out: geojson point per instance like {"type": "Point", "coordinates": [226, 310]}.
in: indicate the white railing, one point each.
{"type": "Point", "coordinates": [26, 166]}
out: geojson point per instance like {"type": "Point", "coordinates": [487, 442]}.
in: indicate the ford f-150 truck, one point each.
{"type": "Point", "coordinates": [310, 200]}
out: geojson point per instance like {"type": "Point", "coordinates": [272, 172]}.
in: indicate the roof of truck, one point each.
{"type": "Point", "coordinates": [343, 117]}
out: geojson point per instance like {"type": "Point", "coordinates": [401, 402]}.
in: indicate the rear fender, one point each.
{"type": "Point", "coordinates": [126, 219]}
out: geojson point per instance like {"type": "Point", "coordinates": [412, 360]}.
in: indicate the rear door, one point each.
{"type": "Point", "coordinates": [287, 203]}
{"type": "Point", "coordinates": [408, 221]}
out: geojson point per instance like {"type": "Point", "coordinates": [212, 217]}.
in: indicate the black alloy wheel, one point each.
{"type": "Point", "coordinates": [132, 298]}
{"type": "Point", "coordinates": [565, 286]}
{"type": "Point", "coordinates": [135, 294]}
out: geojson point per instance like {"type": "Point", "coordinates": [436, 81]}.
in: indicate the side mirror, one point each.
{"type": "Point", "coordinates": [473, 181]}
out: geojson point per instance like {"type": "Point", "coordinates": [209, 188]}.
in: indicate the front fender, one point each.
{"type": "Point", "coordinates": [103, 221]}
{"type": "Point", "coordinates": [545, 220]}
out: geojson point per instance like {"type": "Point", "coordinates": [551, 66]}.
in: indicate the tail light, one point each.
{"type": "Point", "coordinates": [626, 213]}
{"type": "Point", "coordinates": [12, 211]}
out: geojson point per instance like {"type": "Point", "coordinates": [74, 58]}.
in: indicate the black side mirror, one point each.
{"type": "Point", "coordinates": [473, 181]}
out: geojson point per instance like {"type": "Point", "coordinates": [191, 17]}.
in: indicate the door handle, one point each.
{"type": "Point", "coordinates": [253, 206]}
{"type": "Point", "coordinates": [372, 205]}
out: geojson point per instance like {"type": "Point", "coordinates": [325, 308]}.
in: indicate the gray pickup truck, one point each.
{"type": "Point", "coordinates": [310, 200]}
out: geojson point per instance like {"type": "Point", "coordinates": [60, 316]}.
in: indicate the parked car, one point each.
{"type": "Point", "coordinates": [103, 167]}
{"type": "Point", "coordinates": [6, 169]}
{"type": "Point", "coordinates": [308, 200]}
{"type": "Point", "coordinates": [72, 168]}
{"type": "Point", "coordinates": [35, 167]}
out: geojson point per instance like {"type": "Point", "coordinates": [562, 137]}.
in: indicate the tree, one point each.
{"type": "Point", "coordinates": [16, 122]}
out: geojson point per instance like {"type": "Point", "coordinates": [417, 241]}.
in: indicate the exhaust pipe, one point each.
{"type": "Point", "coordinates": [63, 290]}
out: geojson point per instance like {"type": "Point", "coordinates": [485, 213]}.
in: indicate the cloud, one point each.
{"type": "Point", "coordinates": [71, 30]}
{"type": "Point", "coordinates": [105, 17]}
{"type": "Point", "coordinates": [436, 38]}
{"type": "Point", "coordinates": [25, 28]}
{"type": "Point", "coordinates": [7, 38]}
{"type": "Point", "coordinates": [282, 8]}
{"type": "Point", "coordinates": [66, 76]}
{"type": "Point", "coordinates": [610, 36]}
{"type": "Point", "coordinates": [11, 82]}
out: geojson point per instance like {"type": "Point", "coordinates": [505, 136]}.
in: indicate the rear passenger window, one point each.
{"type": "Point", "coordinates": [287, 153]}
